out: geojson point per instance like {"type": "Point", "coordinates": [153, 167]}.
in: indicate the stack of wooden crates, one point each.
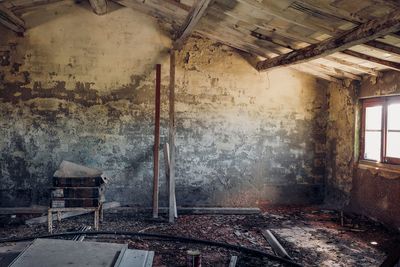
{"type": "Point", "coordinates": [77, 188]}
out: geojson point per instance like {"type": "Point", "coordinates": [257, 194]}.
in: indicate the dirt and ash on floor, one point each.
{"type": "Point", "coordinates": [312, 236]}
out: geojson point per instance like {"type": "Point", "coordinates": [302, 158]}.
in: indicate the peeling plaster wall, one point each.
{"type": "Point", "coordinates": [340, 134]}
{"type": "Point", "coordinates": [80, 87]}
{"type": "Point", "coordinates": [377, 193]}
{"type": "Point", "coordinates": [361, 189]}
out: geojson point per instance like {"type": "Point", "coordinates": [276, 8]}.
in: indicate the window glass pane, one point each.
{"type": "Point", "coordinates": [393, 116]}
{"type": "Point", "coordinates": [393, 145]}
{"type": "Point", "coordinates": [372, 149]}
{"type": "Point", "coordinates": [373, 118]}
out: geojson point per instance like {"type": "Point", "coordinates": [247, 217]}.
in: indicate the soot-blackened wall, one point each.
{"type": "Point", "coordinates": [80, 87]}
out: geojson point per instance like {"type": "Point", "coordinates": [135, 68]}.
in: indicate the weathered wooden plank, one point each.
{"type": "Point", "coordinates": [313, 72]}
{"type": "Point", "coordinates": [291, 15]}
{"type": "Point", "coordinates": [233, 261]}
{"type": "Point", "coordinates": [172, 199]}
{"type": "Point", "coordinates": [334, 71]}
{"type": "Point", "coordinates": [191, 21]}
{"type": "Point", "coordinates": [24, 210]}
{"type": "Point", "coordinates": [238, 44]}
{"type": "Point", "coordinates": [352, 65]}
{"type": "Point", "coordinates": [361, 34]}
{"type": "Point", "coordinates": [72, 212]}
{"type": "Point", "coordinates": [99, 6]}
{"type": "Point", "coordinates": [384, 47]}
{"type": "Point", "coordinates": [157, 8]}
{"type": "Point", "coordinates": [387, 63]}
{"type": "Point", "coordinates": [10, 20]}
{"type": "Point", "coordinates": [276, 246]}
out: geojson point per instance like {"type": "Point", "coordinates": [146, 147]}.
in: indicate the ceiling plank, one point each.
{"type": "Point", "coordinates": [99, 6]}
{"type": "Point", "coordinates": [384, 47]}
{"type": "Point", "coordinates": [194, 16]}
{"type": "Point", "coordinates": [352, 65]}
{"type": "Point", "coordinates": [10, 20]}
{"type": "Point", "coordinates": [387, 63]}
{"type": "Point", "coordinates": [179, 4]}
{"type": "Point", "coordinates": [361, 34]}
{"type": "Point", "coordinates": [313, 72]}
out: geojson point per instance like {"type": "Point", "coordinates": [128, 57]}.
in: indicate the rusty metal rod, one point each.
{"type": "Point", "coordinates": [156, 149]}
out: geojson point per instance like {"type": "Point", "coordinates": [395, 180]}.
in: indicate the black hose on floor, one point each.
{"type": "Point", "coordinates": [168, 237]}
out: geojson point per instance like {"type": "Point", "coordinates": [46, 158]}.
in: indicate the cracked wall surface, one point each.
{"type": "Point", "coordinates": [376, 192]}
{"type": "Point", "coordinates": [361, 188]}
{"type": "Point", "coordinates": [80, 87]}
{"type": "Point", "coordinates": [340, 134]}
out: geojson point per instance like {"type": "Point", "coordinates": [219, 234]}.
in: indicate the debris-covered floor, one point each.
{"type": "Point", "coordinates": [312, 236]}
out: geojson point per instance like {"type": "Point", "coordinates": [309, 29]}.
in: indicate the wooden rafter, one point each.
{"type": "Point", "coordinates": [99, 6]}
{"type": "Point", "coordinates": [194, 16]}
{"type": "Point", "coordinates": [387, 63]}
{"type": "Point", "coordinates": [10, 20]}
{"type": "Point", "coordinates": [384, 47]}
{"type": "Point", "coordinates": [364, 33]}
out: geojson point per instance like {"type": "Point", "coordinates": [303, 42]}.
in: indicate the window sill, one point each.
{"type": "Point", "coordinates": [386, 170]}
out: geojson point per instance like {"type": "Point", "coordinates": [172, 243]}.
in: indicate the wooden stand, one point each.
{"type": "Point", "coordinates": [98, 215]}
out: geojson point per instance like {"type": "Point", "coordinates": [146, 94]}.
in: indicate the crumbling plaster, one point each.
{"type": "Point", "coordinates": [80, 87]}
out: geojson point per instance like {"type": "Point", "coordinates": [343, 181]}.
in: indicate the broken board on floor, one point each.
{"type": "Point", "coordinates": [60, 253]}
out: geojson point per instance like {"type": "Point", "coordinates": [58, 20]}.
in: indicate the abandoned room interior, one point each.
{"type": "Point", "coordinates": [199, 133]}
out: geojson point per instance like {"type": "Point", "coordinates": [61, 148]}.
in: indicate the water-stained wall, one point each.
{"type": "Point", "coordinates": [340, 135]}
{"type": "Point", "coordinates": [359, 186]}
{"type": "Point", "coordinates": [80, 87]}
{"type": "Point", "coordinates": [376, 189]}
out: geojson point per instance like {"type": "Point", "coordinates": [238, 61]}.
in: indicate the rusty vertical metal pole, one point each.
{"type": "Point", "coordinates": [172, 200]}
{"type": "Point", "coordinates": [156, 148]}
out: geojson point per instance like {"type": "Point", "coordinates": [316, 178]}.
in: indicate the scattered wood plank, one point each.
{"type": "Point", "coordinates": [167, 163]}
{"type": "Point", "coordinates": [99, 6]}
{"type": "Point", "coordinates": [10, 20]}
{"type": "Point", "coordinates": [172, 198]}
{"type": "Point", "coordinates": [23, 210]}
{"type": "Point", "coordinates": [194, 16]}
{"type": "Point", "coordinates": [233, 261]}
{"type": "Point", "coordinates": [387, 63]}
{"type": "Point", "coordinates": [225, 211]}
{"type": "Point", "coordinates": [363, 33]}
{"type": "Point", "coordinates": [43, 219]}
{"type": "Point", "coordinates": [192, 210]}
{"type": "Point", "coordinates": [276, 246]}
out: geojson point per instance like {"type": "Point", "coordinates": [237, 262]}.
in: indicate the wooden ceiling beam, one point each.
{"type": "Point", "coordinates": [363, 33]}
{"type": "Point", "coordinates": [387, 63]}
{"type": "Point", "coordinates": [99, 6]}
{"type": "Point", "coordinates": [384, 47]}
{"type": "Point", "coordinates": [194, 16]}
{"type": "Point", "coordinates": [10, 20]}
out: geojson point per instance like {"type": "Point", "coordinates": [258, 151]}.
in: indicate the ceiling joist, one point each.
{"type": "Point", "coordinates": [363, 33]}
{"type": "Point", "coordinates": [194, 16]}
{"type": "Point", "coordinates": [384, 47]}
{"type": "Point", "coordinates": [387, 63]}
{"type": "Point", "coordinates": [10, 20]}
{"type": "Point", "coordinates": [99, 6]}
